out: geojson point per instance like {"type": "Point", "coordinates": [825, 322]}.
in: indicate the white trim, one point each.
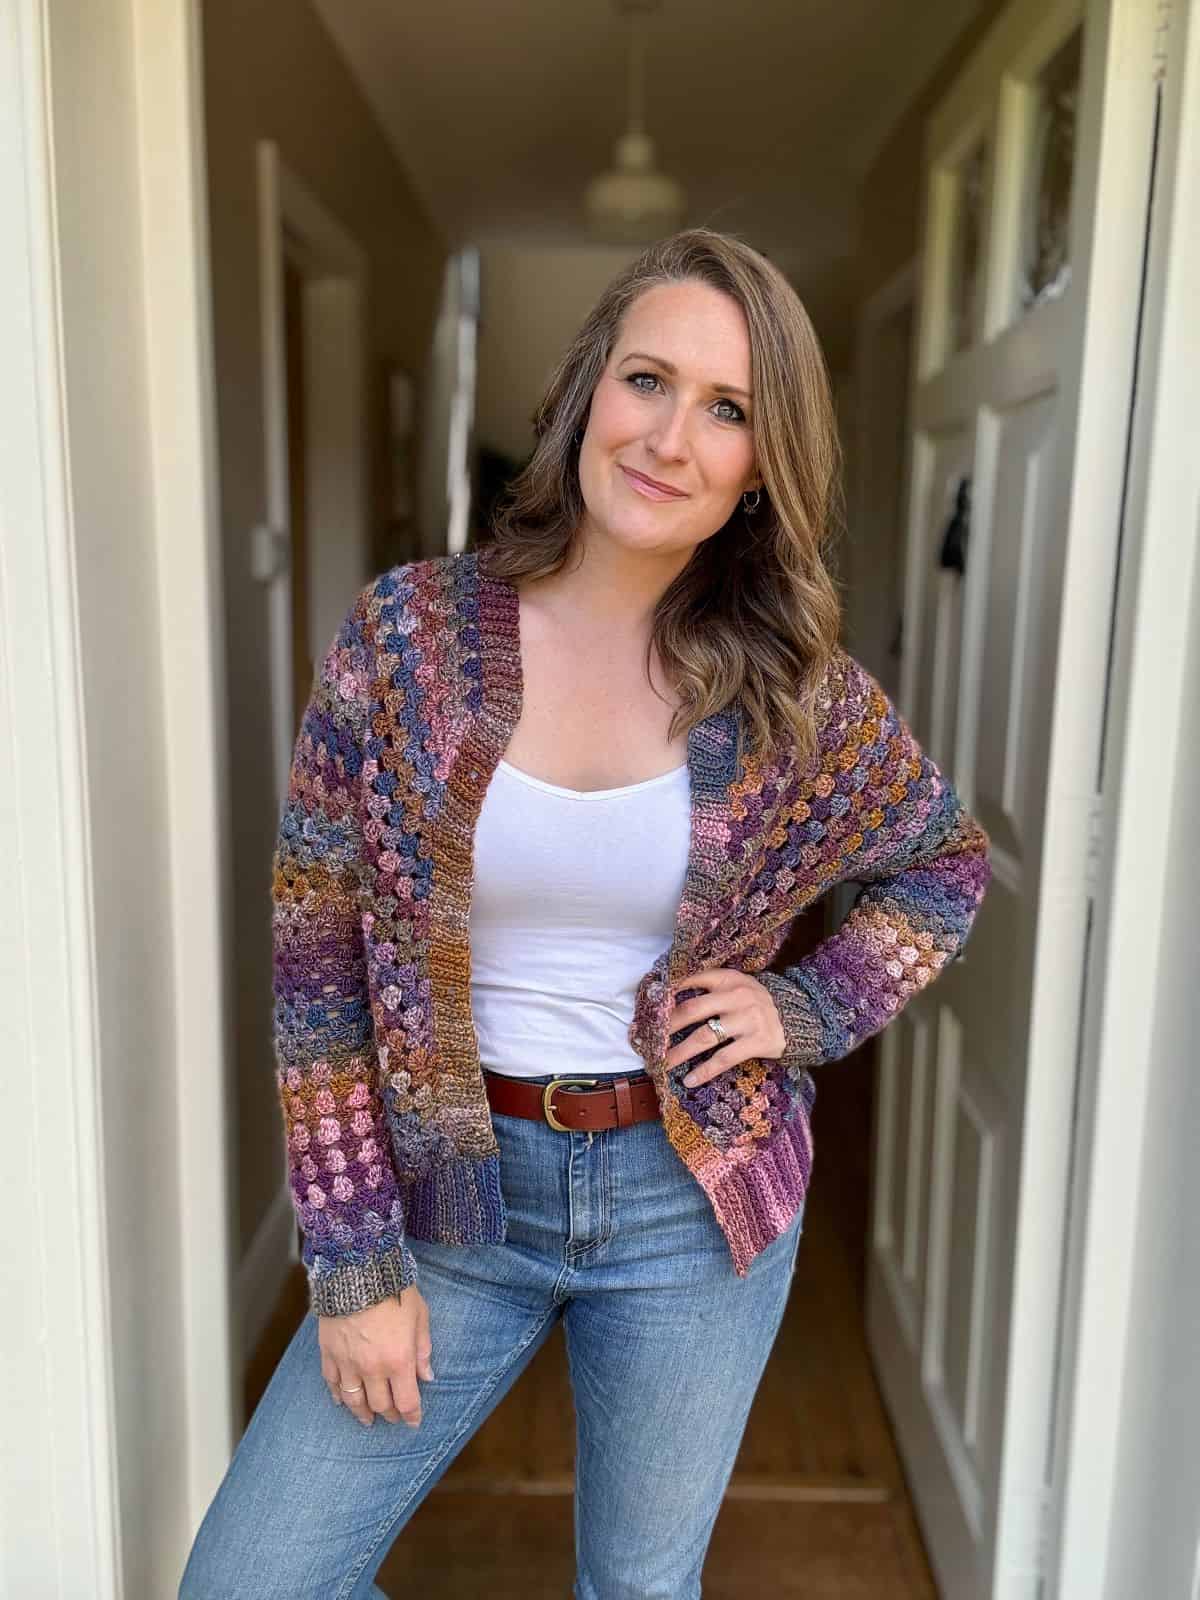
{"type": "Point", "coordinates": [61, 1489]}
{"type": "Point", "coordinates": [294, 225]}
{"type": "Point", "coordinates": [1146, 726]}
{"type": "Point", "coordinates": [276, 577]}
{"type": "Point", "coordinates": [182, 446]}
{"type": "Point", "coordinates": [462, 403]}
{"type": "Point", "coordinates": [1106, 249]}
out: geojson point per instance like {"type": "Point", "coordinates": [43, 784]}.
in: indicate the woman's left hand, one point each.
{"type": "Point", "coordinates": [746, 1011]}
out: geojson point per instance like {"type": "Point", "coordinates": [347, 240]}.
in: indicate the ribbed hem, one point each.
{"type": "Point", "coordinates": [356, 1285]}
{"type": "Point", "coordinates": [755, 1200]}
{"type": "Point", "coordinates": [459, 1203]}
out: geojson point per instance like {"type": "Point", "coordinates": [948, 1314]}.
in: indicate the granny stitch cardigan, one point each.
{"type": "Point", "coordinates": [387, 1124]}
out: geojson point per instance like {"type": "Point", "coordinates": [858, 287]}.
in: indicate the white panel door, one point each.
{"type": "Point", "coordinates": [974, 1110]}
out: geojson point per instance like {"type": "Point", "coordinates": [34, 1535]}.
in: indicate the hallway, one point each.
{"type": "Point", "coordinates": [817, 1498]}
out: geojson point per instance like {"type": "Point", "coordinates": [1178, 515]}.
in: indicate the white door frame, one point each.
{"type": "Point", "coordinates": [1116, 1187]}
{"type": "Point", "coordinates": [124, 1407]}
{"type": "Point", "coordinates": [1112, 170]}
{"type": "Point", "coordinates": [295, 226]}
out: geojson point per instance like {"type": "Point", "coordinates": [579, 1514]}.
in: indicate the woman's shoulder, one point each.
{"type": "Point", "coordinates": [850, 706]}
{"type": "Point", "coordinates": [409, 578]}
{"type": "Point", "coordinates": [846, 687]}
{"type": "Point", "coordinates": [411, 588]}
{"type": "Point", "coordinates": [857, 709]}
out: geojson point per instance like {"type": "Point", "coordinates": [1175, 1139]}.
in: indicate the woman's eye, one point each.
{"type": "Point", "coordinates": [733, 414]}
{"type": "Point", "coordinates": [738, 414]}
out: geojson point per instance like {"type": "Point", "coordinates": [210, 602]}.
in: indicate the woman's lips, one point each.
{"type": "Point", "coordinates": [651, 490]}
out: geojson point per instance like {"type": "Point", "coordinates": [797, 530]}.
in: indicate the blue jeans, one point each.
{"type": "Point", "coordinates": [666, 1345]}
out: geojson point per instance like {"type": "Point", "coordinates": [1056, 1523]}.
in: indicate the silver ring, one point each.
{"type": "Point", "coordinates": [357, 1388]}
{"type": "Point", "coordinates": [715, 1024]}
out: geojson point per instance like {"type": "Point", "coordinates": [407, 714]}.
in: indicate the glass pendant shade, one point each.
{"type": "Point", "coordinates": [634, 202]}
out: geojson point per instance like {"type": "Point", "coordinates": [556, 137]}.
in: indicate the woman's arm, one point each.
{"type": "Point", "coordinates": [343, 1182]}
{"type": "Point", "coordinates": [923, 862]}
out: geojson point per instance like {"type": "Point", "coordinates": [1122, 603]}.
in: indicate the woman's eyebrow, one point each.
{"type": "Point", "coordinates": [668, 366]}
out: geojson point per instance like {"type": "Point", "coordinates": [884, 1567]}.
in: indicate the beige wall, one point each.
{"type": "Point", "coordinates": [271, 71]}
{"type": "Point", "coordinates": [531, 302]}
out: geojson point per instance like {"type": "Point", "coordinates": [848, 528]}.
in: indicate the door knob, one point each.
{"type": "Point", "coordinates": [953, 553]}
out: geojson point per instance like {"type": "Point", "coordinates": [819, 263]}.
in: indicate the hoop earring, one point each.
{"type": "Point", "coordinates": [746, 506]}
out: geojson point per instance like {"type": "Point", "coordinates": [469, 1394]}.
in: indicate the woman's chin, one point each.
{"type": "Point", "coordinates": [648, 536]}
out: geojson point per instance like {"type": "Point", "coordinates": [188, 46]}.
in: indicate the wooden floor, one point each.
{"type": "Point", "coordinates": [817, 1506]}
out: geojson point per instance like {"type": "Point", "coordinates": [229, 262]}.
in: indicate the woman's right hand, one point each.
{"type": "Point", "coordinates": [385, 1348]}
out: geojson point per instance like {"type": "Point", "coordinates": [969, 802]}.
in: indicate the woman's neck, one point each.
{"type": "Point", "coordinates": [609, 588]}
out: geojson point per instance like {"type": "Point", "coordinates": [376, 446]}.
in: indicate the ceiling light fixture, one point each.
{"type": "Point", "coordinates": [634, 203]}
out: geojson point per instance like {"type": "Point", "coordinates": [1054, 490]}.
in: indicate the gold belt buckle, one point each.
{"type": "Point", "coordinates": [557, 1083]}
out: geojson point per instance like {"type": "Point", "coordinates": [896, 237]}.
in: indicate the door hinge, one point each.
{"type": "Point", "coordinates": [270, 553]}
{"type": "Point", "coordinates": [1162, 30]}
{"type": "Point", "coordinates": [1095, 842]}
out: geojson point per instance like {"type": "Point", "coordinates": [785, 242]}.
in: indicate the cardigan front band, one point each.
{"type": "Point", "coordinates": [387, 1124]}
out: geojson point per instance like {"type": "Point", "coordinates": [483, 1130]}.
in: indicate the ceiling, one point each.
{"type": "Point", "coordinates": [768, 111]}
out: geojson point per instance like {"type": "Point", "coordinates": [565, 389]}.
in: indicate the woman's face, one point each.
{"type": "Point", "coordinates": [673, 405]}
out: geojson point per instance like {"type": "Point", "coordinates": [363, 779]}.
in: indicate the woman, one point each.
{"type": "Point", "coordinates": [554, 806]}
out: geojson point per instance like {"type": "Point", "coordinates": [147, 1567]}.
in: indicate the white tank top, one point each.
{"type": "Point", "coordinates": [575, 893]}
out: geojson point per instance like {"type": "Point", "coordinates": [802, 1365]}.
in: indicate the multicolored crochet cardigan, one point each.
{"type": "Point", "coordinates": [388, 1127]}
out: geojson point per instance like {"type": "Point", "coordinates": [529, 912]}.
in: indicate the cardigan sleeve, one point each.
{"type": "Point", "coordinates": [343, 1183]}
{"type": "Point", "coordinates": [923, 862]}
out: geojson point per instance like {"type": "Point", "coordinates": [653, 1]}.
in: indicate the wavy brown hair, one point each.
{"type": "Point", "coordinates": [755, 613]}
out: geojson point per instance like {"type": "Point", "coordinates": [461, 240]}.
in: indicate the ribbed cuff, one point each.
{"type": "Point", "coordinates": [801, 1025]}
{"type": "Point", "coordinates": [357, 1285]}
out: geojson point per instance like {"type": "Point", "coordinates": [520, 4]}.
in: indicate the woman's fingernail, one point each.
{"type": "Point", "coordinates": [690, 1079]}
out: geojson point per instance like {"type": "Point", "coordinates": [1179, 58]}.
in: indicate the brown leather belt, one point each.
{"type": "Point", "coordinates": [567, 1103]}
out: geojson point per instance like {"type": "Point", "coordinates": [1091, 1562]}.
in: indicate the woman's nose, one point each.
{"type": "Point", "coordinates": [671, 438]}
